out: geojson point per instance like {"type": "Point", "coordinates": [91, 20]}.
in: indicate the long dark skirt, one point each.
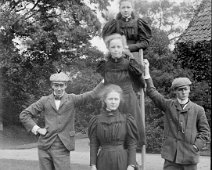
{"type": "Point", "coordinates": [131, 105]}
{"type": "Point", "coordinates": [112, 159]}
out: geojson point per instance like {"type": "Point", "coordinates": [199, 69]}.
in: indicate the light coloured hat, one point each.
{"type": "Point", "coordinates": [180, 81]}
{"type": "Point", "coordinates": [58, 77]}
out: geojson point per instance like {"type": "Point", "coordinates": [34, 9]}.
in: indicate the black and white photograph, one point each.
{"type": "Point", "coordinates": [105, 84]}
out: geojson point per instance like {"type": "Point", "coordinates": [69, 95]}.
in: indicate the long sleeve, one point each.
{"type": "Point", "coordinates": [85, 97]}
{"type": "Point", "coordinates": [109, 28]}
{"type": "Point", "coordinates": [135, 72]}
{"type": "Point", "coordinates": [101, 67]}
{"type": "Point", "coordinates": [131, 139]}
{"type": "Point", "coordinates": [157, 98]}
{"type": "Point", "coordinates": [94, 143]}
{"type": "Point", "coordinates": [203, 129]}
{"type": "Point", "coordinates": [26, 116]}
{"type": "Point", "coordinates": [145, 35]}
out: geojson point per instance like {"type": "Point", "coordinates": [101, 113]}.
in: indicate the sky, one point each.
{"type": "Point", "coordinates": [99, 43]}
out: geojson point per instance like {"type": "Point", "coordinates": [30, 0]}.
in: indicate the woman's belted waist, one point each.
{"type": "Point", "coordinates": [112, 147]}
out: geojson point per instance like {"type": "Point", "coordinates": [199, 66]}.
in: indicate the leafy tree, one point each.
{"type": "Point", "coordinates": [38, 38]}
{"type": "Point", "coordinates": [164, 67]}
{"type": "Point", "coordinates": [169, 16]}
{"type": "Point", "coordinates": [197, 57]}
{"type": "Point", "coordinates": [166, 15]}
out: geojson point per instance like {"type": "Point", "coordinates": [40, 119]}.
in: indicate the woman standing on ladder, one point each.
{"type": "Point", "coordinates": [138, 34]}
{"type": "Point", "coordinates": [137, 31]}
{"type": "Point", "coordinates": [117, 69]}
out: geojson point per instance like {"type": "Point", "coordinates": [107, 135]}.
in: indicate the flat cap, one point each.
{"type": "Point", "coordinates": [181, 81]}
{"type": "Point", "coordinates": [59, 77]}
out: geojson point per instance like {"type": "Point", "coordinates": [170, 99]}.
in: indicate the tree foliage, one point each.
{"type": "Point", "coordinates": [197, 57]}
{"type": "Point", "coordinates": [166, 65]}
{"type": "Point", "coordinates": [166, 14]}
{"type": "Point", "coordinates": [38, 38]}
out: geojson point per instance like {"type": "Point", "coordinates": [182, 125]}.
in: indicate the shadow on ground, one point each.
{"type": "Point", "coordinates": [13, 136]}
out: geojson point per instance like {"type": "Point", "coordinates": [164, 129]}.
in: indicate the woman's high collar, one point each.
{"type": "Point", "coordinates": [120, 17]}
{"type": "Point", "coordinates": [111, 112]}
{"type": "Point", "coordinates": [116, 60]}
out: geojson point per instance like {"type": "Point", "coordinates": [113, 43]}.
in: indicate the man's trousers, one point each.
{"type": "Point", "coordinates": [57, 157]}
{"type": "Point", "coordinates": [168, 165]}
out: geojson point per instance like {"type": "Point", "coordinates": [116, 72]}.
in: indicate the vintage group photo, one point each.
{"type": "Point", "coordinates": [105, 85]}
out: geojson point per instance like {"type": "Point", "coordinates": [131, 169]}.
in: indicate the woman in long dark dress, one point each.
{"type": "Point", "coordinates": [112, 134]}
{"type": "Point", "coordinates": [136, 30]}
{"type": "Point", "coordinates": [118, 69]}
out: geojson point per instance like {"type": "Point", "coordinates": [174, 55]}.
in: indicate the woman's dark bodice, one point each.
{"type": "Point", "coordinates": [122, 72]}
{"type": "Point", "coordinates": [137, 31]}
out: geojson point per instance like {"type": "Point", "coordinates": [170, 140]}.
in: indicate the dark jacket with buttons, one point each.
{"type": "Point", "coordinates": [57, 122]}
{"type": "Point", "coordinates": [183, 128]}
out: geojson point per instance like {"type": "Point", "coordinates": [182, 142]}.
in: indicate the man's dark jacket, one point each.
{"type": "Point", "coordinates": [183, 128]}
{"type": "Point", "coordinates": [57, 122]}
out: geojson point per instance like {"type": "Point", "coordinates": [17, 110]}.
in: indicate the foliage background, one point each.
{"type": "Point", "coordinates": [38, 38]}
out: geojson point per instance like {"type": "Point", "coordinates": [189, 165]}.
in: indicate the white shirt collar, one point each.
{"type": "Point", "coordinates": [183, 101]}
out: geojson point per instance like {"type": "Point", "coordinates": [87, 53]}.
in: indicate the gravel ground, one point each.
{"type": "Point", "coordinates": [80, 157]}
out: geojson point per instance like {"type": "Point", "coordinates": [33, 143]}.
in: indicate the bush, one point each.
{"type": "Point", "coordinates": [154, 137]}
{"type": "Point", "coordinates": [154, 127]}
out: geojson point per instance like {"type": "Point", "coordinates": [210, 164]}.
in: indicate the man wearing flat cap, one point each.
{"type": "Point", "coordinates": [56, 138]}
{"type": "Point", "coordinates": [186, 128]}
